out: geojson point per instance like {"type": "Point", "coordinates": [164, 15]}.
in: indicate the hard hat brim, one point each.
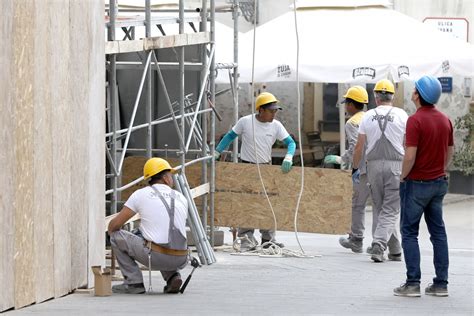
{"type": "Point", "coordinates": [272, 106]}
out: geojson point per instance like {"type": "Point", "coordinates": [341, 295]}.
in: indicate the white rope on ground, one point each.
{"type": "Point", "coordinates": [270, 249]}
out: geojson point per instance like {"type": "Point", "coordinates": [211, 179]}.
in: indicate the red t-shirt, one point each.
{"type": "Point", "coordinates": [431, 132]}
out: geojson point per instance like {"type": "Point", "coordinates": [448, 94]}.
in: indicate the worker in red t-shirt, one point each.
{"type": "Point", "coordinates": [429, 148]}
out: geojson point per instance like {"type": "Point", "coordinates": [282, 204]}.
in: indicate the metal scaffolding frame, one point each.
{"type": "Point", "coordinates": [182, 112]}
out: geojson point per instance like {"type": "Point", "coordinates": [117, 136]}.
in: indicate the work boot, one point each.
{"type": "Point", "coordinates": [352, 243]}
{"type": "Point", "coordinates": [173, 284]}
{"type": "Point", "coordinates": [408, 290]}
{"type": "Point", "coordinates": [267, 243]}
{"type": "Point", "coordinates": [436, 290]}
{"type": "Point", "coordinates": [395, 256]}
{"type": "Point", "coordinates": [123, 288]}
{"type": "Point", "coordinates": [377, 253]}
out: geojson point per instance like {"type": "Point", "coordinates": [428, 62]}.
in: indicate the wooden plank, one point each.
{"type": "Point", "coordinates": [96, 146]}
{"type": "Point", "coordinates": [63, 164]}
{"type": "Point", "coordinates": [23, 57]}
{"type": "Point", "coordinates": [169, 41]}
{"type": "Point", "coordinates": [325, 205]}
{"type": "Point", "coordinates": [200, 190]}
{"type": "Point", "coordinates": [7, 160]}
{"type": "Point", "coordinates": [42, 147]}
{"type": "Point", "coordinates": [240, 202]}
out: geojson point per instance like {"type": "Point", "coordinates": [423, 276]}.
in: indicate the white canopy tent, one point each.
{"type": "Point", "coordinates": [356, 42]}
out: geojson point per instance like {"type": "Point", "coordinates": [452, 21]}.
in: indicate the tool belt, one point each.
{"type": "Point", "coordinates": [166, 251]}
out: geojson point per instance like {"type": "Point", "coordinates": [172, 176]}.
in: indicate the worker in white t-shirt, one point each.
{"type": "Point", "coordinates": [382, 131]}
{"type": "Point", "coordinates": [162, 232]}
{"type": "Point", "coordinates": [258, 149]}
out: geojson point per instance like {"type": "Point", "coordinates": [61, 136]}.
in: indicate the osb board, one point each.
{"type": "Point", "coordinates": [78, 92]}
{"type": "Point", "coordinates": [93, 57]}
{"type": "Point", "coordinates": [63, 163]}
{"type": "Point", "coordinates": [42, 149]}
{"type": "Point", "coordinates": [23, 129]}
{"type": "Point", "coordinates": [325, 206]}
{"type": "Point", "coordinates": [7, 160]}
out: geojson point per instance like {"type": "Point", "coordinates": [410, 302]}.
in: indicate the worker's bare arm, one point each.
{"type": "Point", "coordinates": [408, 161]}
{"type": "Point", "coordinates": [118, 221]}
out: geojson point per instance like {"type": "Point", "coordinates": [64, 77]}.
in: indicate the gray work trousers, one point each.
{"type": "Point", "coordinates": [266, 233]}
{"type": "Point", "coordinates": [360, 194]}
{"type": "Point", "coordinates": [384, 183]}
{"type": "Point", "coordinates": [129, 248]}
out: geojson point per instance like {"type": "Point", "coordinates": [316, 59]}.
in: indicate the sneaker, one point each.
{"type": "Point", "coordinates": [377, 253]}
{"type": "Point", "coordinates": [395, 256]}
{"type": "Point", "coordinates": [369, 250]}
{"type": "Point", "coordinates": [351, 243]}
{"type": "Point", "coordinates": [436, 290]}
{"type": "Point", "coordinates": [408, 290]}
{"type": "Point", "coordinates": [268, 243]}
{"type": "Point", "coordinates": [123, 288]}
{"type": "Point", "coordinates": [173, 284]}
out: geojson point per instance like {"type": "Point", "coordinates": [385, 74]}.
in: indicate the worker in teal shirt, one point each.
{"type": "Point", "coordinates": [267, 131]}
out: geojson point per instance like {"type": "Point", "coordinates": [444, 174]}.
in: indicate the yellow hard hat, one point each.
{"type": "Point", "coordinates": [384, 85]}
{"type": "Point", "coordinates": [357, 93]}
{"type": "Point", "coordinates": [264, 98]}
{"type": "Point", "coordinates": [154, 166]}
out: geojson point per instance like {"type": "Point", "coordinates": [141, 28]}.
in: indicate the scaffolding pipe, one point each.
{"type": "Point", "coordinates": [181, 81]}
{"type": "Point", "coordinates": [113, 101]}
{"type": "Point", "coordinates": [235, 86]}
{"type": "Point", "coordinates": [211, 57]}
{"type": "Point", "coordinates": [213, 122]}
{"type": "Point", "coordinates": [168, 101]}
{"type": "Point", "coordinates": [156, 122]}
{"type": "Point", "coordinates": [134, 112]}
{"type": "Point", "coordinates": [149, 110]}
{"type": "Point", "coordinates": [204, 148]}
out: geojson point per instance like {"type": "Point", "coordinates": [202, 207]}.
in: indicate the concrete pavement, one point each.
{"type": "Point", "coordinates": [338, 283]}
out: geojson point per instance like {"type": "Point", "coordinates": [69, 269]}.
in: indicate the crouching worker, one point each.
{"type": "Point", "coordinates": [162, 244]}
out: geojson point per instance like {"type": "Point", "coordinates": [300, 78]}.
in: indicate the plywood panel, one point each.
{"type": "Point", "coordinates": [96, 125]}
{"type": "Point", "coordinates": [63, 164]}
{"type": "Point", "coordinates": [325, 205]}
{"type": "Point", "coordinates": [22, 78]}
{"type": "Point", "coordinates": [240, 202]}
{"type": "Point", "coordinates": [42, 158]}
{"type": "Point", "coordinates": [78, 92]}
{"type": "Point", "coordinates": [7, 161]}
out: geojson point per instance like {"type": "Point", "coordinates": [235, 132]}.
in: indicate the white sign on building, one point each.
{"type": "Point", "coordinates": [457, 27]}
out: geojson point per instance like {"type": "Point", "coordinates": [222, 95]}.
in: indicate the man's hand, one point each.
{"type": "Point", "coordinates": [217, 155]}
{"type": "Point", "coordinates": [287, 163]}
{"type": "Point", "coordinates": [356, 177]}
{"type": "Point", "coordinates": [334, 159]}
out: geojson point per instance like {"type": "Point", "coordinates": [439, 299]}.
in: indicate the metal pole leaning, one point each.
{"type": "Point", "coordinates": [205, 241]}
{"type": "Point", "coordinates": [192, 222]}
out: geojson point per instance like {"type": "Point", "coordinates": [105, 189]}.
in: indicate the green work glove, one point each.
{"type": "Point", "coordinates": [334, 159]}
{"type": "Point", "coordinates": [287, 163]}
{"type": "Point", "coordinates": [217, 155]}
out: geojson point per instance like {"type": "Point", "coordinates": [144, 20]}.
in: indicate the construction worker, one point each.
{"type": "Point", "coordinates": [383, 130]}
{"type": "Point", "coordinates": [355, 99]}
{"type": "Point", "coordinates": [161, 240]}
{"type": "Point", "coordinates": [428, 152]}
{"type": "Point", "coordinates": [267, 131]}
